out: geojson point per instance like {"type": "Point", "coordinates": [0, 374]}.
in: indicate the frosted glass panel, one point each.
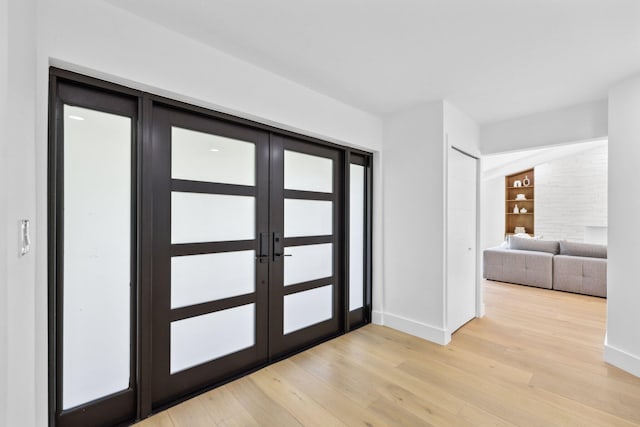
{"type": "Point", "coordinates": [308, 262]}
{"type": "Point", "coordinates": [199, 217]}
{"type": "Point", "coordinates": [356, 237]}
{"type": "Point", "coordinates": [308, 217]}
{"type": "Point", "coordinates": [201, 278]}
{"type": "Point", "coordinates": [204, 338]}
{"type": "Point", "coordinates": [199, 156]}
{"type": "Point", "coordinates": [97, 242]}
{"type": "Point", "coordinates": [307, 172]}
{"type": "Point", "coordinates": [307, 308]}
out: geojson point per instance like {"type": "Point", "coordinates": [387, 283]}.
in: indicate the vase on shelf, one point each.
{"type": "Point", "coordinates": [515, 209]}
{"type": "Point", "coordinates": [526, 181]}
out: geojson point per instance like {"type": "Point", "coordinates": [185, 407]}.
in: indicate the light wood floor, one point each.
{"type": "Point", "coordinates": [535, 359]}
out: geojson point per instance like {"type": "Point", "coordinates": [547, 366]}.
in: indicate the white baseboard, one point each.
{"type": "Point", "coordinates": [418, 329]}
{"type": "Point", "coordinates": [482, 311]}
{"type": "Point", "coordinates": [377, 318]}
{"type": "Point", "coordinates": [621, 359]}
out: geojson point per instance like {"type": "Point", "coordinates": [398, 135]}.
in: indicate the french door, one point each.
{"type": "Point", "coordinates": [187, 247]}
{"type": "Point", "coordinates": [246, 255]}
{"type": "Point", "coordinates": [305, 218]}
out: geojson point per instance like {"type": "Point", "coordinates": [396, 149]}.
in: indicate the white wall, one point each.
{"type": "Point", "coordinates": [497, 166]}
{"type": "Point", "coordinates": [460, 130]}
{"type": "Point", "coordinates": [4, 202]}
{"type": "Point", "coordinates": [570, 194]}
{"type": "Point", "coordinates": [110, 42]}
{"type": "Point", "coordinates": [414, 221]}
{"type": "Point", "coordinates": [378, 239]}
{"type": "Point", "coordinates": [576, 123]}
{"type": "Point", "coordinates": [622, 346]}
{"type": "Point", "coordinates": [19, 170]}
{"type": "Point", "coordinates": [415, 163]}
{"type": "Point", "coordinates": [492, 212]}
{"type": "Point", "coordinates": [97, 39]}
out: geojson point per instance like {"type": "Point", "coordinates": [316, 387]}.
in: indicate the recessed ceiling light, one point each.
{"type": "Point", "coordinates": [76, 117]}
{"type": "Point", "coordinates": [213, 150]}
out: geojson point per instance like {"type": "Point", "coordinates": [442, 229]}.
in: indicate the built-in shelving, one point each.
{"type": "Point", "coordinates": [526, 219]}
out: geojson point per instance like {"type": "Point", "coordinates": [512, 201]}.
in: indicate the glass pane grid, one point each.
{"type": "Point", "coordinates": [307, 308]}
{"type": "Point", "coordinates": [199, 156]}
{"type": "Point", "coordinates": [307, 218]}
{"type": "Point", "coordinates": [208, 337]}
{"type": "Point", "coordinates": [207, 277]}
{"type": "Point", "coordinates": [307, 172]}
{"type": "Point", "coordinates": [308, 262]}
{"type": "Point", "coordinates": [203, 217]}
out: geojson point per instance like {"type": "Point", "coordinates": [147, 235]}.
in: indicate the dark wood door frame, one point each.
{"type": "Point", "coordinates": [142, 231]}
{"type": "Point", "coordinates": [120, 406]}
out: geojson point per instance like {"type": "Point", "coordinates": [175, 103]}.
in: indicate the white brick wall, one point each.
{"type": "Point", "coordinates": [571, 193]}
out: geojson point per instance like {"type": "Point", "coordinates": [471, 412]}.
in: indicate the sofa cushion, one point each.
{"type": "Point", "coordinates": [523, 244]}
{"type": "Point", "coordinates": [583, 249]}
{"type": "Point", "coordinates": [582, 275]}
{"type": "Point", "coordinates": [532, 268]}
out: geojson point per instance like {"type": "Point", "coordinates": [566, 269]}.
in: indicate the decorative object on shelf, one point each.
{"type": "Point", "coordinates": [517, 190]}
{"type": "Point", "coordinates": [519, 230]}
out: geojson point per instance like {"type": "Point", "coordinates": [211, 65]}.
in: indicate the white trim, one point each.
{"type": "Point", "coordinates": [482, 311]}
{"type": "Point", "coordinates": [418, 329]}
{"type": "Point", "coordinates": [621, 359]}
{"type": "Point", "coordinates": [479, 196]}
{"type": "Point", "coordinates": [445, 227]}
{"type": "Point", "coordinates": [377, 318]}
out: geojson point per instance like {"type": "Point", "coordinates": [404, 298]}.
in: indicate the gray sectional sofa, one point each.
{"type": "Point", "coordinates": [565, 266]}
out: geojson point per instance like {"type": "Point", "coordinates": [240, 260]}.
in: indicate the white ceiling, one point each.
{"type": "Point", "coordinates": [494, 59]}
{"type": "Point", "coordinates": [499, 165]}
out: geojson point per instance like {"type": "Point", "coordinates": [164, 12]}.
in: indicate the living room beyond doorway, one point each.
{"type": "Point", "coordinates": [561, 254]}
{"type": "Point", "coordinates": [544, 217]}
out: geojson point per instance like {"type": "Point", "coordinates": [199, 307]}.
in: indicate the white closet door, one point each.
{"type": "Point", "coordinates": [461, 238]}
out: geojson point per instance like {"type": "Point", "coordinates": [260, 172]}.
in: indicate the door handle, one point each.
{"type": "Point", "coordinates": [263, 255]}
{"type": "Point", "coordinates": [277, 246]}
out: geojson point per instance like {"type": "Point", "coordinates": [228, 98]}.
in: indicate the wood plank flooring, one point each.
{"type": "Point", "coordinates": [535, 359]}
